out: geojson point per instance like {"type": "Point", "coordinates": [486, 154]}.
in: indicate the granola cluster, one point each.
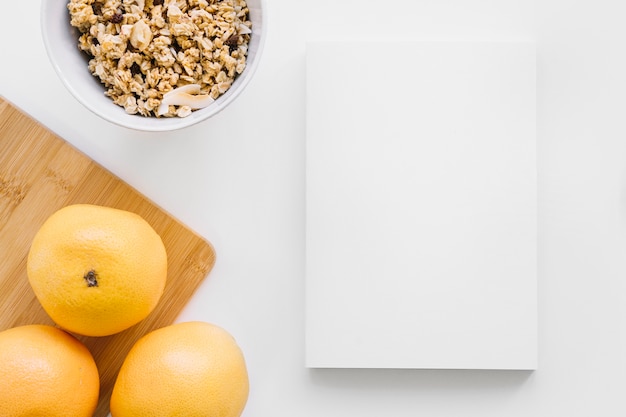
{"type": "Point", "coordinates": [141, 50]}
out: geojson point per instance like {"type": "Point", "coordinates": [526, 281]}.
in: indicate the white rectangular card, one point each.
{"type": "Point", "coordinates": [421, 213]}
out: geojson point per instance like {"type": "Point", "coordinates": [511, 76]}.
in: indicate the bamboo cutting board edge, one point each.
{"type": "Point", "coordinates": [40, 173]}
{"type": "Point", "coordinates": [4, 102]}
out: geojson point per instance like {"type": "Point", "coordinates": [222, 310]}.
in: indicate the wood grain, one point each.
{"type": "Point", "coordinates": [39, 174]}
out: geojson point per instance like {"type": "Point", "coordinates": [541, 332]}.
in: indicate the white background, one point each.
{"type": "Point", "coordinates": [238, 180]}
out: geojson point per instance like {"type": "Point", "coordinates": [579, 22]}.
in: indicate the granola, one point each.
{"type": "Point", "coordinates": [141, 50]}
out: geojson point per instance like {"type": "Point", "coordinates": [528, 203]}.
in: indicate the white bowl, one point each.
{"type": "Point", "coordinates": [61, 42]}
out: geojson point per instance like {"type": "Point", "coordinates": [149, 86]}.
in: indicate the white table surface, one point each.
{"type": "Point", "coordinates": [238, 179]}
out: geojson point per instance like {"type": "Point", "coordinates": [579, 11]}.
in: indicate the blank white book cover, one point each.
{"type": "Point", "coordinates": [421, 205]}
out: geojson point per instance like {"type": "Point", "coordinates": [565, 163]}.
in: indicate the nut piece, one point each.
{"type": "Point", "coordinates": [140, 35]}
{"type": "Point", "coordinates": [185, 96]}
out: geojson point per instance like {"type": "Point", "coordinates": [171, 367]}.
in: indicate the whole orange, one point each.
{"type": "Point", "coordinates": [44, 371]}
{"type": "Point", "coordinates": [97, 270]}
{"type": "Point", "coordinates": [191, 369]}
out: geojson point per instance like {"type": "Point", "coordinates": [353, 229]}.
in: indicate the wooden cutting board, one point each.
{"type": "Point", "coordinates": [40, 173]}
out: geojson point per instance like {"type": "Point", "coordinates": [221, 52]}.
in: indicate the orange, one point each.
{"type": "Point", "coordinates": [97, 270]}
{"type": "Point", "coordinates": [191, 369]}
{"type": "Point", "coordinates": [46, 372]}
